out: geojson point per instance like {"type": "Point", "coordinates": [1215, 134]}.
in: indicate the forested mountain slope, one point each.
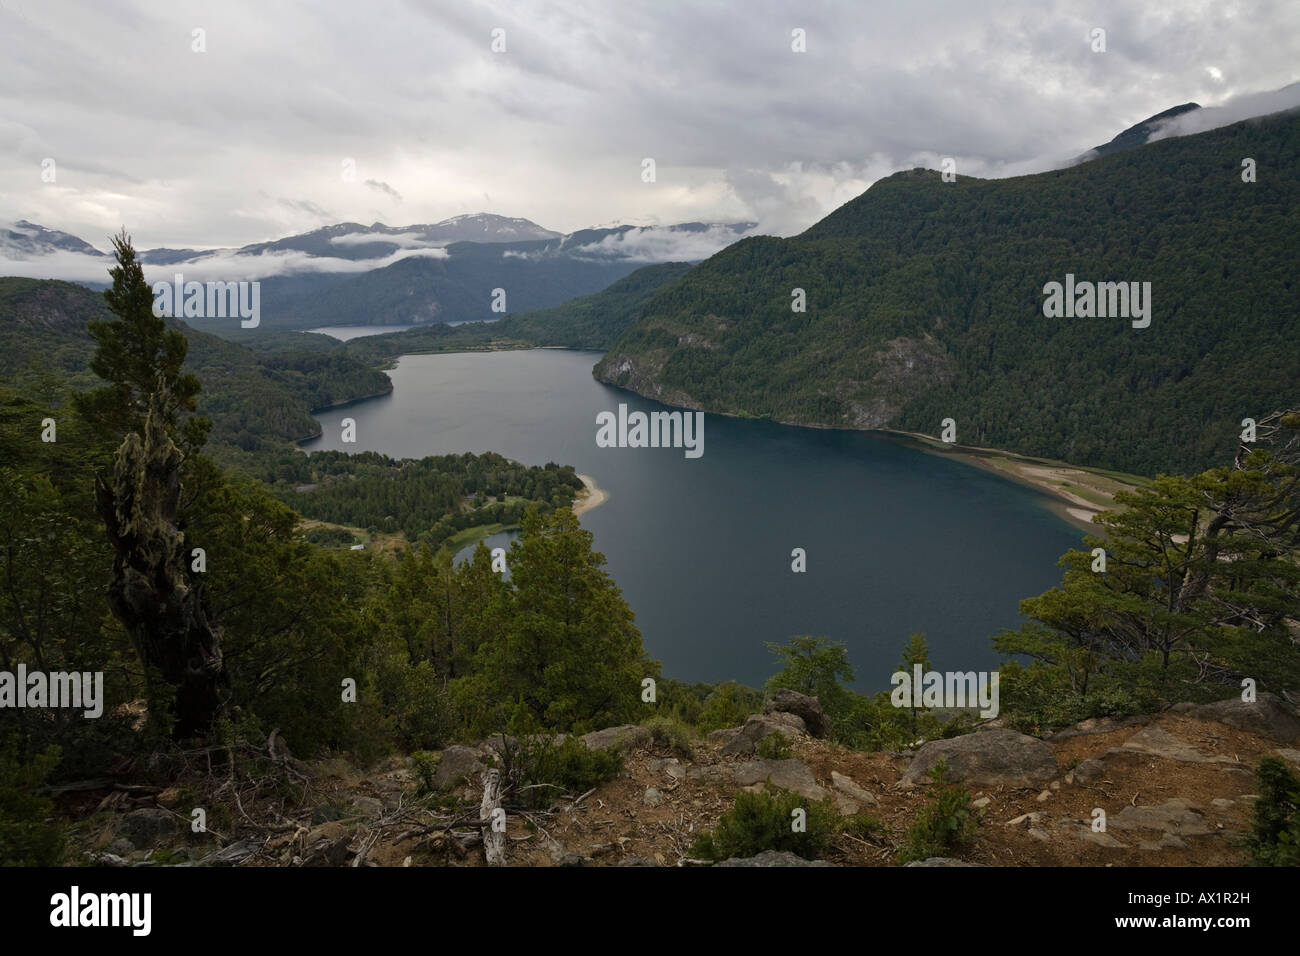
{"type": "Point", "coordinates": [925, 301]}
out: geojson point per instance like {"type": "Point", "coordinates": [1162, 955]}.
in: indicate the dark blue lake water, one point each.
{"type": "Point", "coordinates": [897, 540]}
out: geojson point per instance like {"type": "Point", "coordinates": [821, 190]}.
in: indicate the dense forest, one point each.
{"type": "Point", "coordinates": [924, 301]}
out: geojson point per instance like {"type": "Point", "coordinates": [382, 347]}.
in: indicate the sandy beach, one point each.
{"type": "Point", "coordinates": [593, 496]}
{"type": "Point", "coordinates": [1078, 493]}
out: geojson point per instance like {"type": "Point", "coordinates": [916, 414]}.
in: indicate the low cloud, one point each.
{"type": "Point", "coordinates": [1230, 111]}
{"type": "Point", "coordinates": [657, 244]}
{"type": "Point", "coordinates": [229, 267]}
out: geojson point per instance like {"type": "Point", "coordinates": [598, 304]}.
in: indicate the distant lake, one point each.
{"type": "Point", "coordinates": [345, 332]}
{"type": "Point", "coordinates": [897, 540]}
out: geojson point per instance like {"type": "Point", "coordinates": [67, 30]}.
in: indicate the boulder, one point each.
{"type": "Point", "coordinates": [458, 764]}
{"type": "Point", "coordinates": [808, 709]}
{"type": "Point", "coordinates": [670, 766]}
{"type": "Point", "coordinates": [761, 726]}
{"type": "Point", "coordinates": [1174, 816]}
{"type": "Point", "coordinates": [1158, 742]}
{"type": "Point", "coordinates": [144, 828]}
{"type": "Point", "coordinates": [792, 775]}
{"type": "Point", "coordinates": [847, 786]}
{"type": "Point", "coordinates": [995, 758]}
{"type": "Point", "coordinates": [772, 858]}
{"type": "Point", "coordinates": [1088, 771]}
{"type": "Point", "coordinates": [1268, 716]}
{"type": "Point", "coordinates": [623, 737]}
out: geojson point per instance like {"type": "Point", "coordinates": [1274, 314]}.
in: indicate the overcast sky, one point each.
{"type": "Point", "coordinates": [246, 141]}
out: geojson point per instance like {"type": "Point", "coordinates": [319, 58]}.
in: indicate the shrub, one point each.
{"type": "Point", "coordinates": [947, 824]}
{"type": "Point", "coordinates": [764, 821]}
{"type": "Point", "coordinates": [774, 746]}
{"type": "Point", "coordinates": [424, 765]}
{"type": "Point", "coordinates": [25, 838]}
{"type": "Point", "coordinates": [537, 770]}
{"type": "Point", "coordinates": [666, 732]}
{"type": "Point", "coordinates": [1275, 840]}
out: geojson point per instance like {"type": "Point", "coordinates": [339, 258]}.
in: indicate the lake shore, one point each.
{"type": "Point", "coordinates": [1076, 493]}
{"type": "Point", "coordinates": [592, 496]}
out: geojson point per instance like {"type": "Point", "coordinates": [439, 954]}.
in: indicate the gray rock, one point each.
{"type": "Point", "coordinates": [634, 861]}
{"type": "Point", "coordinates": [1288, 754]}
{"type": "Point", "coordinates": [1101, 839]}
{"type": "Point", "coordinates": [1174, 816]}
{"type": "Point", "coordinates": [144, 828]}
{"type": "Point", "coordinates": [1268, 716]}
{"type": "Point", "coordinates": [808, 709]}
{"type": "Point", "coordinates": [1158, 742]}
{"type": "Point", "coordinates": [846, 805]}
{"type": "Point", "coordinates": [761, 726]}
{"type": "Point", "coordinates": [458, 764]}
{"type": "Point", "coordinates": [1089, 770]}
{"type": "Point", "coordinates": [772, 858]}
{"type": "Point", "coordinates": [121, 847]}
{"type": "Point", "coordinates": [624, 737]}
{"type": "Point", "coordinates": [709, 774]}
{"type": "Point", "coordinates": [941, 861]}
{"type": "Point", "coordinates": [670, 766]}
{"type": "Point", "coordinates": [850, 787]}
{"type": "Point", "coordinates": [652, 797]}
{"type": "Point", "coordinates": [790, 774]}
{"type": "Point", "coordinates": [995, 758]}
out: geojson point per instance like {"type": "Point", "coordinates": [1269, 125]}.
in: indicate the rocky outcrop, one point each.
{"type": "Point", "coordinates": [792, 775]}
{"type": "Point", "coordinates": [1269, 716]}
{"type": "Point", "coordinates": [458, 765]}
{"type": "Point", "coordinates": [995, 758]}
{"type": "Point", "coordinates": [757, 728]}
{"type": "Point", "coordinates": [808, 709]}
{"type": "Point", "coordinates": [621, 738]}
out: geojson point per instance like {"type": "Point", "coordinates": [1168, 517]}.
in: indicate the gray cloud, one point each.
{"type": "Point", "coordinates": [385, 189]}
{"type": "Point", "coordinates": [189, 149]}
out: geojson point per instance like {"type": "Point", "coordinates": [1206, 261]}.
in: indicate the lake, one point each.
{"type": "Point", "coordinates": [897, 540]}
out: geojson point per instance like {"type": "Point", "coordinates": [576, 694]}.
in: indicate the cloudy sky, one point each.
{"type": "Point", "coordinates": [248, 139]}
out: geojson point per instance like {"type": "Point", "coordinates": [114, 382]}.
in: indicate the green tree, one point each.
{"type": "Point", "coordinates": [815, 666]}
{"type": "Point", "coordinates": [570, 652]}
{"type": "Point", "coordinates": [133, 351]}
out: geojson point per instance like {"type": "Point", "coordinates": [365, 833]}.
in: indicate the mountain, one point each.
{"type": "Point", "coordinates": [350, 274]}
{"type": "Point", "coordinates": [925, 301]}
{"type": "Point", "coordinates": [1139, 134]}
{"type": "Point", "coordinates": [587, 322]}
{"type": "Point", "coordinates": [353, 241]}
{"type": "Point", "coordinates": [26, 240]}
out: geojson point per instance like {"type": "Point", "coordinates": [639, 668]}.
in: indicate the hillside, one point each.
{"type": "Point", "coordinates": [1177, 789]}
{"type": "Point", "coordinates": [925, 301]}
{"type": "Point", "coordinates": [587, 322]}
{"type": "Point", "coordinates": [251, 399]}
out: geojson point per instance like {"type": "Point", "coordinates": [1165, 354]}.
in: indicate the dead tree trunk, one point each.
{"type": "Point", "coordinates": [494, 840]}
